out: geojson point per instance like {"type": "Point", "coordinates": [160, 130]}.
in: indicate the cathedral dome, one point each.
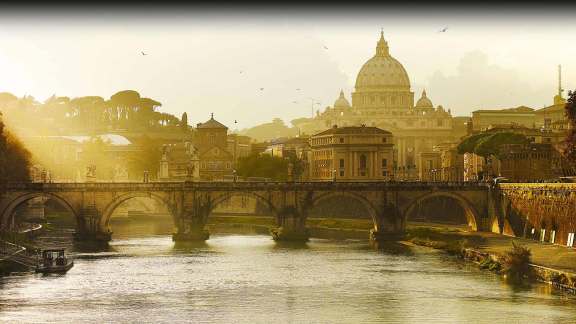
{"type": "Point", "coordinates": [424, 102]}
{"type": "Point", "coordinates": [341, 102]}
{"type": "Point", "coordinates": [382, 70]}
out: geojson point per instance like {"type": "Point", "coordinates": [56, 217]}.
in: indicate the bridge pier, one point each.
{"type": "Point", "coordinates": [189, 231]}
{"type": "Point", "coordinates": [94, 237]}
{"type": "Point", "coordinates": [385, 236]}
{"type": "Point", "coordinates": [292, 226]}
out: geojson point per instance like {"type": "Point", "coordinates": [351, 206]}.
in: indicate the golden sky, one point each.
{"type": "Point", "coordinates": [210, 61]}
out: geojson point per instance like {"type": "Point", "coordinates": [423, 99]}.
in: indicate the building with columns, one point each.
{"type": "Point", "coordinates": [352, 153]}
{"type": "Point", "coordinates": [384, 99]}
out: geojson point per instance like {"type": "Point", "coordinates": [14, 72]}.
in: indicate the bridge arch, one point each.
{"type": "Point", "coordinates": [117, 201]}
{"type": "Point", "coordinates": [6, 215]}
{"type": "Point", "coordinates": [372, 211]}
{"type": "Point", "coordinates": [472, 215]}
{"type": "Point", "coordinates": [222, 197]}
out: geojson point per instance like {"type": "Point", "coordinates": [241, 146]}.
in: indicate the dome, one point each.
{"type": "Point", "coordinates": [341, 102]}
{"type": "Point", "coordinates": [382, 70]}
{"type": "Point", "coordinates": [424, 102]}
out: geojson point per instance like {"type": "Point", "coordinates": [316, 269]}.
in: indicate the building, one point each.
{"type": "Point", "coordinates": [383, 99]}
{"type": "Point", "coordinates": [289, 147]}
{"type": "Point", "coordinates": [179, 162]}
{"type": "Point", "coordinates": [473, 167]}
{"type": "Point", "coordinates": [239, 145]}
{"type": "Point", "coordinates": [211, 139]}
{"type": "Point", "coordinates": [65, 159]}
{"type": "Point", "coordinates": [522, 116]}
{"type": "Point", "coordinates": [429, 166]}
{"type": "Point", "coordinates": [352, 153]}
{"type": "Point", "coordinates": [526, 162]}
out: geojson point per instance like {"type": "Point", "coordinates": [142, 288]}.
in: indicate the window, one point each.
{"type": "Point", "coordinates": [363, 165]}
{"type": "Point", "coordinates": [341, 139]}
{"type": "Point", "coordinates": [384, 139]}
{"type": "Point", "coordinates": [341, 173]}
{"type": "Point", "coordinates": [439, 122]}
{"type": "Point", "coordinates": [384, 173]}
{"type": "Point", "coordinates": [341, 163]}
{"type": "Point", "coordinates": [384, 163]}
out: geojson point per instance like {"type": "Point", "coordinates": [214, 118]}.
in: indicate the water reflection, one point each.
{"type": "Point", "coordinates": [253, 279]}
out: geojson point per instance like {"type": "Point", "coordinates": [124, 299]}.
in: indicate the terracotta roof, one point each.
{"type": "Point", "coordinates": [212, 123]}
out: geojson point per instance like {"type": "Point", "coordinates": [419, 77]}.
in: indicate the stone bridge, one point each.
{"type": "Point", "coordinates": [191, 203]}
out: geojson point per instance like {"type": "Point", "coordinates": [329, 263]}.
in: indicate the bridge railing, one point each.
{"type": "Point", "coordinates": [163, 186]}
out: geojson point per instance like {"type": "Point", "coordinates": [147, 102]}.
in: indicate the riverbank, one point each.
{"type": "Point", "coordinates": [551, 264]}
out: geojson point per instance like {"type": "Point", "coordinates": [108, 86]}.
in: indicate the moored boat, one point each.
{"type": "Point", "coordinates": [54, 261]}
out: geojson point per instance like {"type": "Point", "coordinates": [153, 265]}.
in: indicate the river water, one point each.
{"type": "Point", "coordinates": [251, 279]}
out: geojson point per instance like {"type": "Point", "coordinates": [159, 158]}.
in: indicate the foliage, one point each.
{"type": "Point", "coordinates": [94, 153]}
{"type": "Point", "coordinates": [184, 121]}
{"type": "Point", "coordinates": [569, 149]}
{"type": "Point", "coordinates": [469, 143]}
{"type": "Point", "coordinates": [125, 110]}
{"type": "Point", "coordinates": [269, 131]}
{"type": "Point", "coordinates": [490, 145]}
{"type": "Point", "coordinates": [263, 165]}
{"type": "Point", "coordinates": [486, 144]}
{"type": "Point", "coordinates": [148, 159]}
{"type": "Point", "coordinates": [516, 262]}
{"type": "Point", "coordinates": [14, 157]}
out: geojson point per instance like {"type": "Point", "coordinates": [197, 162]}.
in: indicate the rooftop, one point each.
{"type": "Point", "coordinates": [353, 130]}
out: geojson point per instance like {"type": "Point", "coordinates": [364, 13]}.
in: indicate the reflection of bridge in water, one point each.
{"type": "Point", "coordinates": [191, 203]}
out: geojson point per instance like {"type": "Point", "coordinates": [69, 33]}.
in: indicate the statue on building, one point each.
{"type": "Point", "coordinates": [91, 173]}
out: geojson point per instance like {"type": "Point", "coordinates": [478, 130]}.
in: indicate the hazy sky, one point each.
{"type": "Point", "coordinates": [492, 59]}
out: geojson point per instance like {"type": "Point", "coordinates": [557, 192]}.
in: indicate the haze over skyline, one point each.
{"type": "Point", "coordinates": [202, 62]}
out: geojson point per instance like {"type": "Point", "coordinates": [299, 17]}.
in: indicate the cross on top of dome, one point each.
{"type": "Point", "coordinates": [382, 46]}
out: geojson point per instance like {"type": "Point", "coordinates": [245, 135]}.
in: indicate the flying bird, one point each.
{"type": "Point", "coordinates": [235, 121]}
{"type": "Point", "coordinates": [325, 47]}
{"type": "Point", "coordinates": [143, 54]}
{"type": "Point", "coordinates": [295, 102]}
{"type": "Point", "coordinates": [261, 89]}
{"type": "Point", "coordinates": [443, 30]}
{"type": "Point", "coordinates": [241, 72]}
{"type": "Point", "coordinates": [297, 89]}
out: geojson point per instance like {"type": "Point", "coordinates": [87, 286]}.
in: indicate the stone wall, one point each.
{"type": "Point", "coordinates": [547, 210]}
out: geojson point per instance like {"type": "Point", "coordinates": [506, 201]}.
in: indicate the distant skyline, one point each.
{"type": "Point", "coordinates": [204, 62]}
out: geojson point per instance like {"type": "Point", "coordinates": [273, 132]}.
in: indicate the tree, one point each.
{"type": "Point", "coordinates": [147, 159]}
{"type": "Point", "coordinates": [486, 144]}
{"type": "Point", "coordinates": [184, 121]}
{"type": "Point", "coordinates": [263, 165]}
{"type": "Point", "coordinates": [569, 144]}
{"type": "Point", "coordinates": [490, 145]}
{"type": "Point", "coordinates": [469, 143]}
{"type": "Point", "coordinates": [14, 157]}
{"type": "Point", "coordinates": [94, 152]}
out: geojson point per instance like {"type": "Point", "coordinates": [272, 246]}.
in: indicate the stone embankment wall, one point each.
{"type": "Point", "coordinates": [541, 211]}
{"type": "Point", "coordinates": [560, 279]}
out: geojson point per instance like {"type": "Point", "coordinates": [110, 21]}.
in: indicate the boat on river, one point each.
{"type": "Point", "coordinates": [54, 261]}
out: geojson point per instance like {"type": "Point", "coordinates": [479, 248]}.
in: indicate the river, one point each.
{"type": "Point", "coordinates": [251, 279]}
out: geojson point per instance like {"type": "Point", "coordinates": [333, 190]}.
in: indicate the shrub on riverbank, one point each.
{"type": "Point", "coordinates": [516, 263]}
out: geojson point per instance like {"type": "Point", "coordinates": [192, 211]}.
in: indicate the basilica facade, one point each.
{"type": "Point", "coordinates": [383, 98]}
